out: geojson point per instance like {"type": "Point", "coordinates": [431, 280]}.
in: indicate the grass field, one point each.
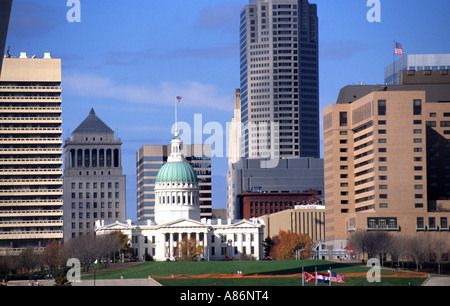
{"type": "Point", "coordinates": [283, 267]}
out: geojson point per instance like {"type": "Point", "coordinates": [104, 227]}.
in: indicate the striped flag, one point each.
{"type": "Point", "coordinates": [337, 278]}
{"type": "Point", "coordinates": [309, 278]}
{"type": "Point", "coordinates": [398, 49]}
{"type": "Point", "coordinates": [179, 99]}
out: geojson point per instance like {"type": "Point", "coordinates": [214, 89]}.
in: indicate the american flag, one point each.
{"type": "Point", "coordinates": [337, 278]}
{"type": "Point", "coordinates": [179, 99]}
{"type": "Point", "coordinates": [398, 48]}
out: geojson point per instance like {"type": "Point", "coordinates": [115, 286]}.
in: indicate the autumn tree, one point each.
{"type": "Point", "coordinates": [123, 245]}
{"type": "Point", "coordinates": [286, 243]}
{"type": "Point", "coordinates": [189, 250]}
{"type": "Point", "coordinates": [52, 255]}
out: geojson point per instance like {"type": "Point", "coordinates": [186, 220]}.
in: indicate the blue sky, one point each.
{"type": "Point", "coordinates": [129, 60]}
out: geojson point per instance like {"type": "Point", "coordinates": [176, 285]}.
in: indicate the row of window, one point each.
{"type": "Point", "coordinates": [87, 195]}
{"type": "Point", "coordinates": [432, 224]}
{"type": "Point", "coordinates": [87, 215]}
{"type": "Point", "coordinates": [95, 185]}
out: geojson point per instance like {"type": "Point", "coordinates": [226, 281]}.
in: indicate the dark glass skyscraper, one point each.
{"type": "Point", "coordinates": [279, 78]}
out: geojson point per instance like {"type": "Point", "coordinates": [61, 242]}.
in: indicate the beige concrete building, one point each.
{"type": "Point", "coordinates": [30, 153]}
{"type": "Point", "coordinates": [387, 157]}
{"type": "Point", "coordinates": [94, 183]}
{"type": "Point", "coordinates": [150, 159]}
{"type": "Point", "coordinates": [303, 219]}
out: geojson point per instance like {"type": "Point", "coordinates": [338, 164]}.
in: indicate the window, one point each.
{"type": "Point", "coordinates": [343, 118]}
{"type": "Point", "coordinates": [432, 222]}
{"type": "Point", "coordinates": [420, 224]}
{"type": "Point", "coordinates": [417, 107]}
{"type": "Point", "coordinates": [381, 107]}
{"type": "Point", "coordinates": [444, 223]}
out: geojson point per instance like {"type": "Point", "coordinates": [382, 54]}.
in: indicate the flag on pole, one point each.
{"type": "Point", "coordinates": [179, 99]}
{"type": "Point", "coordinates": [337, 278]}
{"type": "Point", "coordinates": [398, 49]}
{"type": "Point", "coordinates": [309, 278]}
{"type": "Point", "coordinates": [323, 277]}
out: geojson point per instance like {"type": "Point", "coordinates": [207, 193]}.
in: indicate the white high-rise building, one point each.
{"type": "Point", "coordinates": [31, 182]}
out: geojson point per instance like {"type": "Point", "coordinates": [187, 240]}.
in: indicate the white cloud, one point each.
{"type": "Point", "coordinates": [194, 93]}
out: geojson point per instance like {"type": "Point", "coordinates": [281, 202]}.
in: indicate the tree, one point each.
{"type": "Point", "coordinates": [439, 246]}
{"type": "Point", "coordinates": [7, 266]}
{"type": "Point", "coordinates": [189, 250]}
{"type": "Point", "coordinates": [268, 245]}
{"type": "Point", "coordinates": [89, 248]}
{"type": "Point", "coordinates": [286, 243]}
{"type": "Point", "coordinates": [360, 240]}
{"type": "Point", "coordinates": [382, 243]}
{"type": "Point", "coordinates": [52, 255]}
{"type": "Point", "coordinates": [28, 259]}
{"type": "Point", "coordinates": [123, 244]}
{"type": "Point", "coordinates": [418, 249]}
{"type": "Point", "coordinates": [398, 248]}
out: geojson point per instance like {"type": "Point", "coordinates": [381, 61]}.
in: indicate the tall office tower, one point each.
{"type": "Point", "coordinates": [94, 184]}
{"type": "Point", "coordinates": [386, 157]}
{"type": "Point", "coordinates": [150, 159]}
{"type": "Point", "coordinates": [30, 153]}
{"type": "Point", "coordinates": [416, 62]}
{"type": "Point", "coordinates": [279, 79]}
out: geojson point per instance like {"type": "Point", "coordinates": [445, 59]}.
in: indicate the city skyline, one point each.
{"type": "Point", "coordinates": [130, 62]}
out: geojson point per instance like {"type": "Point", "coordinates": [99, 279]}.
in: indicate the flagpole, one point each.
{"type": "Point", "coordinates": [329, 281]}
{"type": "Point", "coordinates": [303, 276]}
{"type": "Point", "coordinates": [176, 115]}
{"type": "Point", "coordinates": [316, 276]}
{"type": "Point", "coordinates": [395, 80]}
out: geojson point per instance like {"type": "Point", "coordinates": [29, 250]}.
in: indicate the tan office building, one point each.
{"type": "Point", "coordinates": [30, 153]}
{"type": "Point", "coordinates": [302, 219]}
{"type": "Point", "coordinates": [387, 157]}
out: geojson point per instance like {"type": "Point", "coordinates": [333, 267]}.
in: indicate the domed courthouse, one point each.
{"type": "Point", "coordinates": [177, 215]}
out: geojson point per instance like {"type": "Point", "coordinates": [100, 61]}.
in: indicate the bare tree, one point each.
{"type": "Point", "coordinates": [89, 248]}
{"type": "Point", "coordinates": [439, 246]}
{"type": "Point", "coordinates": [381, 244]}
{"type": "Point", "coordinates": [418, 249]}
{"type": "Point", "coordinates": [398, 248]}
{"type": "Point", "coordinates": [360, 240]}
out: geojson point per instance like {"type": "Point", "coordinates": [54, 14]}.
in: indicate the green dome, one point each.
{"type": "Point", "coordinates": [176, 171]}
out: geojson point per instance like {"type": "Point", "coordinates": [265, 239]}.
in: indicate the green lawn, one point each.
{"type": "Point", "coordinates": [282, 267]}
